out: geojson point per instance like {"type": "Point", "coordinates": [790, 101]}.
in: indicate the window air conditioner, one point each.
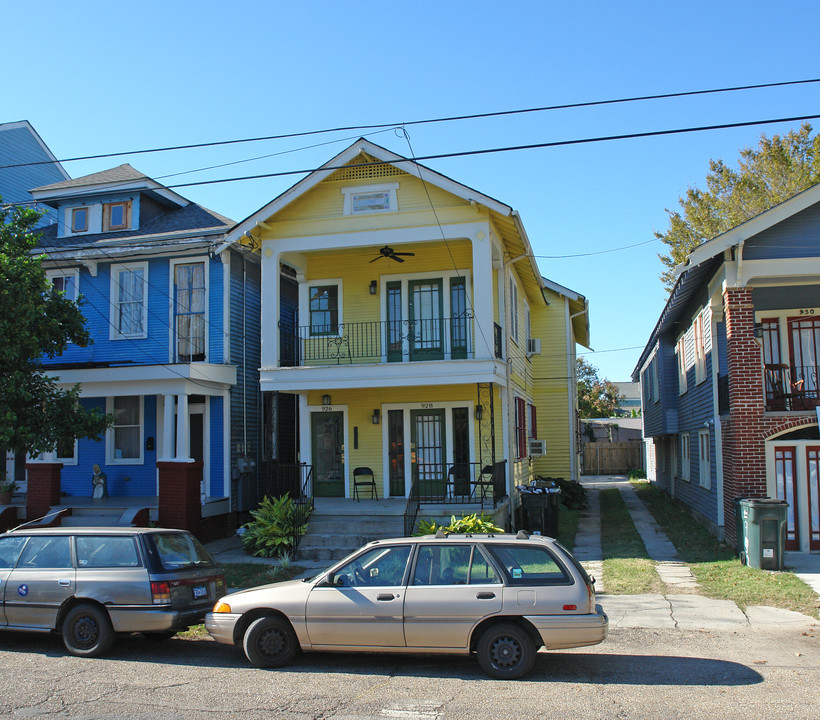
{"type": "Point", "coordinates": [534, 346]}
{"type": "Point", "coordinates": [538, 448]}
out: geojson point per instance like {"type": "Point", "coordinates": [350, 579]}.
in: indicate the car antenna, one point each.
{"type": "Point", "coordinates": [36, 520]}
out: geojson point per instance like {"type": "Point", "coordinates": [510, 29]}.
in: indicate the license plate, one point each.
{"type": "Point", "coordinates": [200, 591]}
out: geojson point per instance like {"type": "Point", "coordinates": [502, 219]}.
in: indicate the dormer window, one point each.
{"type": "Point", "coordinates": [116, 216]}
{"type": "Point", "coordinates": [367, 199]}
{"type": "Point", "coordinates": [79, 220]}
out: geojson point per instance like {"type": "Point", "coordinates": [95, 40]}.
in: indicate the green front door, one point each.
{"type": "Point", "coordinates": [427, 436]}
{"type": "Point", "coordinates": [426, 327]}
{"type": "Point", "coordinates": [326, 431]}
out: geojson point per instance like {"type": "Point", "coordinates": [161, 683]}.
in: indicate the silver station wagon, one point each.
{"type": "Point", "coordinates": [498, 596]}
{"type": "Point", "coordinates": [90, 583]}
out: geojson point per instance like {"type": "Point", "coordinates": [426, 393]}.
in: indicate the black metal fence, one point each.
{"type": "Point", "coordinates": [791, 388]}
{"type": "Point", "coordinates": [460, 482]}
{"type": "Point", "coordinates": [295, 479]}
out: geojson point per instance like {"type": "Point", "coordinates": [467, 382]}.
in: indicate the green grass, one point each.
{"type": "Point", "coordinates": [567, 526]}
{"type": "Point", "coordinates": [714, 565]}
{"type": "Point", "coordinates": [245, 575]}
{"type": "Point", "coordinates": [627, 567]}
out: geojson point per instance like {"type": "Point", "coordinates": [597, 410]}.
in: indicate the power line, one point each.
{"type": "Point", "coordinates": [453, 118]}
{"type": "Point", "coordinates": [510, 148]}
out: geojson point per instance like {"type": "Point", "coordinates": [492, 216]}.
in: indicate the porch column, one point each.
{"type": "Point", "coordinates": [183, 453]}
{"type": "Point", "coordinates": [43, 489]}
{"type": "Point", "coordinates": [168, 427]}
{"type": "Point", "coordinates": [482, 300]}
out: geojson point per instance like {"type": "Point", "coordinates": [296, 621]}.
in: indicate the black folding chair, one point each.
{"type": "Point", "coordinates": [360, 479]}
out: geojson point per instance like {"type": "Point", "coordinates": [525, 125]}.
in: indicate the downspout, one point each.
{"type": "Point", "coordinates": [572, 388]}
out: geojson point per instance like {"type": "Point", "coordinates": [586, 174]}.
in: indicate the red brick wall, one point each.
{"type": "Point", "coordinates": [43, 488]}
{"type": "Point", "coordinates": [747, 427]}
{"type": "Point", "coordinates": [179, 503]}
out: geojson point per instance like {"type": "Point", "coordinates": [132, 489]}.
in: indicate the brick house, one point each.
{"type": "Point", "coordinates": [729, 377]}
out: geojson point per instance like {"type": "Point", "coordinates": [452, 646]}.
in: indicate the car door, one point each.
{"type": "Point", "coordinates": [10, 547]}
{"type": "Point", "coordinates": [453, 587]}
{"type": "Point", "coordinates": [43, 578]}
{"type": "Point", "coordinates": [361, 603]}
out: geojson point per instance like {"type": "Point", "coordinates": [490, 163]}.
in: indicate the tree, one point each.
{"type": "Point", "coordinates": [597, 397]}
{"type": "Point", "coordinates": [35, 321]}
{"type": "Point", "coordinates": [776, 170]}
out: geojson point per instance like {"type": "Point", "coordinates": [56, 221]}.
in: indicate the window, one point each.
{"type": "Point", "coordinates": [323, 307]}
{"type": "Point", "coordinates": [45, 552]}
{"type": "Point", "coordinates": [125, 436]}
{"type": "Point", "coordinates": [513, 310]}
{"type": "Point", "coordinates": [381, 566]}
{"type": "Point", "coordinates": [681, 353]}
{"type": "Point", "coordinates": [704, 462]}
{"type": "Point", "coordinates": [190, 304]}
{"type": "Point", "coordinates": [700, 350]}
{"type": "Point", "coordinates": [684, 457]}
{"type": "Point", "coordinates": [130, 300]}
{"type": "Point", "coordinates": [527, 565]}
{"type": "Point", "coordinates": [452, 565]}
{"type": "Point", "coordinates": [65, 281]}
{"type": "Point", "coordinates": [100, 551]}
{"type": "Point", "coordinates": [533, 422]}
{"type": "Point", "coordinates": [79, 219]}
{"type": "Point", "coordinates": [366, 199]}
{"type": "Point", "coordinates": [656, 390]}
{"type": "Point", "coordinates": [116, 216]}
{"type": "Point", "coordinates": [520, 428]}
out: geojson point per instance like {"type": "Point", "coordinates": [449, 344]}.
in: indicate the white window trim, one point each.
{"type": "Point", "coordinates": [67, 272]}
{"type": "Point", "coordinates": [389, 188]}
{"type": "Point", "coordinates": [52, 457]}
{"type": "Point", "coordinates": [513, 309]}
{"type": "Point", "coordinates": [172, 350]}
{"type": "Point", "coordinates": [110, 458]}
{"type": "Point", "coordinates": [116, 268]}
{"type": "Point", "coordinates": [304, 302]}
{"type": "Point", "coordinates": [700, 348]}
{"type": "Point", "coordinates": [704, 468]}
{"type": "Point", "coordinates": [685, 457]}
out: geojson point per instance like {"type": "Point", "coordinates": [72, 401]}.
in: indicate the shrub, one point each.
{"type": "Point", "coordinates": [475, 524]}
{"type": "Point", "coordinates": [636, 474]}
{"type": "Point", "coordinates": [274, 526]}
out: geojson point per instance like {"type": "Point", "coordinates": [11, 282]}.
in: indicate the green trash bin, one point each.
{"type": "Point", "coordinates": [762, 532]}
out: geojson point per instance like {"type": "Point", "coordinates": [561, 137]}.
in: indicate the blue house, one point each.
{"type": "Point", "coordinates": [174, 319]}
{"type": "Point", "coordinates": [729, 376]}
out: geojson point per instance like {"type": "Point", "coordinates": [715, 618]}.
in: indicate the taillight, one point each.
{"type": "Point", "coordinates": [160, 592]}
{"type": "Point", "coordinates": [570, 607]}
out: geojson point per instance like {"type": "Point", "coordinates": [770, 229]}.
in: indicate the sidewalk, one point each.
{"type": "Point", "coordinates": [682, 608]}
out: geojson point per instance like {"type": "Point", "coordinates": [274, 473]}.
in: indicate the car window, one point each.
{"type": "Point", "coordinates": [46, 551]}
{"type": "Point", "coordinates": [10, 548]}
{"type": "Point", "coordinates": [180, 550]}
{"type": "Point", "coordinates": [529, 565]}
{"type": "Point", "coordinates": [100, 551]}
{"type": "Point", "coordinates": [377, 566]}
{"type": "Point", "coordinates": [481, 571]}
{"type": "Point", "coordinates": [456, 564]}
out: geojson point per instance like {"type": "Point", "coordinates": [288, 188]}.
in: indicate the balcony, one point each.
{"type": "Point", "coordinates": [377, 342]}
{"type": "Point", "coordinates": [791, 388]}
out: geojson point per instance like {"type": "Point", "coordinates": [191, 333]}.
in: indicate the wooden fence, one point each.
{"type": "Point", "coordinates": [603, 458]}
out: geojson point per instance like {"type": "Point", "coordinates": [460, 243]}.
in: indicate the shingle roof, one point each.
{"type": "Point", "coordinates": [121, 173]}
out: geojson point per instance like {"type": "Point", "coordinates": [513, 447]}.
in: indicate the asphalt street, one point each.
{"type": "Point", "coordinates": [750, 670]}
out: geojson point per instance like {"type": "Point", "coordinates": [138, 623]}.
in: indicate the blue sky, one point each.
{"type": "Point", "coordinates": [98, 77]}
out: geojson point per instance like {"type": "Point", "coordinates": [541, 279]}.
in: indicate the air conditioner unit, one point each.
{"type": "Point", "coordinates": [537, 447]}
{"type": "Point", "coordinates": [533, 346]}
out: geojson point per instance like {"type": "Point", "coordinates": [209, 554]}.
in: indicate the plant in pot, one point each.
{"type": "Point", "coordinates": [7, 487]}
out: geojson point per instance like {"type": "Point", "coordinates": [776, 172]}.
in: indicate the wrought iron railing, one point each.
{"type": "Point", "coordinates": [411, 511]}
{"type": "Point", "coordinates": [378, 341]}
{"type": "Point", "coordinates": [294, 479]}
{"type": "Point", "coordinates": [791, 388]}
{"type": "Point", "coordinates": [460, 483]}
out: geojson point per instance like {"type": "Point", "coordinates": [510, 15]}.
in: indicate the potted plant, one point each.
{"type": "Point", "coordinates": [7, 487]}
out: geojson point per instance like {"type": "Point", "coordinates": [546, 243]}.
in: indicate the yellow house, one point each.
{"type": "Point", "coordinates": [407, 330]}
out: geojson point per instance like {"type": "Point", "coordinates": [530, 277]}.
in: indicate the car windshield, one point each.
{"type": "Point", "coordinates": [180, 550]}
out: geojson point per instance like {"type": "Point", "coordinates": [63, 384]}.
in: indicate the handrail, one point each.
{"type": "Point", "coordinates": [411, 510]}
{"type": "Point", "coordinates": [303, 505]}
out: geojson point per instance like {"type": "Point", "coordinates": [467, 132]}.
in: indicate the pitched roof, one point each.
{"type": "Point", "coordinates": [121, 173]}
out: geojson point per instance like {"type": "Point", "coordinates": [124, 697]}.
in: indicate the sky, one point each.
{"type": "Point", "coordinates": [103, 77]}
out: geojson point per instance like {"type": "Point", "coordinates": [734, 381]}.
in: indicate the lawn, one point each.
{"type": "Point", "coordinates": [714, 565]}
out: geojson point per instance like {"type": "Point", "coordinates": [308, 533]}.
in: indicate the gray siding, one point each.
{"type": "Point", "coordinates": [795, 237]}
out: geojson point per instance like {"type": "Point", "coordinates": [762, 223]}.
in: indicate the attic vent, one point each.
{"type": "Point", "coordinates": [364, 173]}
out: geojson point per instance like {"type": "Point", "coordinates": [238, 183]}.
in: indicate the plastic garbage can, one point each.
{"type": "Point", "coordinates": [762, 532]}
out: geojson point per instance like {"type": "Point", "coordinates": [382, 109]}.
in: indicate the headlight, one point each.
{"type": "Point", "coordinates": [222, 607]}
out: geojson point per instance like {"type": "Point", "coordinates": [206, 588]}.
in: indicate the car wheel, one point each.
{"type": "Point", "coordinates": [87, 631]}
{"type": "Point", "coordinates": [506, 651]}
{"type": "Point", "coordinates": [269, 642]}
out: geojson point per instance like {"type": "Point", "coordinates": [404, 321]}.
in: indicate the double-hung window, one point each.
{"type": "Point", "coordinates": [684, 456]}
{"type": "Point", "coordinates": [125, 440]}
{"type": "Point", "coordinates": [520, 428]}
{"type": "Point", "coordinates": [190, 305]}
{"type": "Point", "coordinates": [323, 308]}
{"type": "Point", "coordinates": [513, 310]}
{"type": "Point", "coordinates": [129, 301]}
{"type": "Point", "coordinates": [704, 459]}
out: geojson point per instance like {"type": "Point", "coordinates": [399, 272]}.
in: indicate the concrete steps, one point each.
{"type": "Point", "coordinates": [331, 537]}
{"type": "Point", "coordinates": [104, 516]}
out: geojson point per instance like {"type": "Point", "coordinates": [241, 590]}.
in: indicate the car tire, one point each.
{"type": "Point", "coordinates": [506, 651]}
{"type": "Point", "coordinates": [87, 631]}
{"type": "Point", "coordinates": [269, 642]}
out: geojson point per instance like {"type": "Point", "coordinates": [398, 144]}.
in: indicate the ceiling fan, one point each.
{"type": "Point", "coordinates": [391, 254]}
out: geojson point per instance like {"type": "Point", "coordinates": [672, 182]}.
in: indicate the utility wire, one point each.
{"type": "Point", "coordinates": [453, 118]}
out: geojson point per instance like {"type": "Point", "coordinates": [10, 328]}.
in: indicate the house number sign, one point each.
{"type": "Point", "coordinates": [808, 311]}
{"type": "Point", "coordinates": [427, 406]}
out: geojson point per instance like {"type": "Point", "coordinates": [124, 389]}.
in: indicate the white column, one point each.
{"type": "Point", "coordinates": [483, 295]}
{"type": "Point", "coordinates": [183, 435]}
{"type": "Point", "coordinates": [269, 311]}
{"type": "Point", "coordinates": [306, 452]}
{"type": "Point", "coordinates": [168, 427]}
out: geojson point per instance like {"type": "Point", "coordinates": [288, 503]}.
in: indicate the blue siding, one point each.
{"type": "Point", "coordinates": [795, 237]}
{"type": "Point", "coordinates": [216, 286]}
{"type": "Point", "coordinates": [217, 470]}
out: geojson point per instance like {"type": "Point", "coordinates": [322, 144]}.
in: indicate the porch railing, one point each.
{"type": "Point", "coordinates": [411, 511]}
{"type": "Point", "coordinates": [460, 482]}
{"type": "Point", "coordinates": [378, 341]}
{"type": "Point", "coordinates": [791, 388]}
{"type": "Point", "coordinates": [295, 479]}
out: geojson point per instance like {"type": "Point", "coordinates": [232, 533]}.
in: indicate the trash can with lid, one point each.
{"type": "Point", "coordinates": [540, 509]}
{"type": "Point", "coordinates": [762, 532]}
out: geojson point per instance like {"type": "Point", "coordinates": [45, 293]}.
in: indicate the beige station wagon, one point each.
{"type": "Point", "coordinates": [90, 583]}
{"type": "Point", "coordinates": [498, 596]}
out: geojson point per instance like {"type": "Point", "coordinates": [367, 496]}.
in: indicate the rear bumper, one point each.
{"type": "Point", "coordinates": [568, 631]}
{"type": "Point", "coordinates": [151, 619]}
{"type": "Point", "coordinates": [221, 626]}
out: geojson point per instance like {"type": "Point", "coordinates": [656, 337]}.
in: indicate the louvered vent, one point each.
{"type": "Point", "coordinates": [369, 172]}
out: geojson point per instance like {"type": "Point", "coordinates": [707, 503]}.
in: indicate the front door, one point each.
{"type": "Point", "coordinates": [813, 479]}
{"type": "Point", "coordinates": [426, 328]}
{"type": "Point", "coordinates": [427, 436]}
{"type": "Point", "coordinates": [328, 454]}
{"type": "Point", "coordinates": [785, 466]}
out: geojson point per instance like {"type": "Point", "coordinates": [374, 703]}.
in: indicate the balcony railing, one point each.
{"type": "Point", "coordinates": [379, 341]}
{"type": "Point", "coordinates": [791, 389]}
{"type": "Point", "coordinates": [459, 483]}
